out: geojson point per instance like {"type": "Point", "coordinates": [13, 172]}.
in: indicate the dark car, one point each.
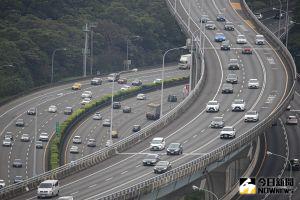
{"type": "Point", "coordinates": [17, 163]}
{"type": "Point", "coordinates": [20, 122]}
{"type": "Point", "coordinates": [18, 179]}
{"type": "Point", "coordinates": [122, 81]}
{"type": "Point", "coordinates": [227, 88]}
{"type": "Point", "coordinates": [91, 143]}
{"type": "Point", "coordinates": [31, 111]}
{"type": "Point", "coordinates": [232, 78]}
{"type": "Point", "coordinates": [116, 105]}
{"type": "Point", "coordinates": [247, 50]}
{"type": "Point", "coordinates": [228, 26]}
{"type": "Point", "coordinates": [136, 82]}
{"type": "Point", "coordinates": [225, 45]}
{"type": "Point", "coordinates": [127, 109]}
{"type": "Point", "coordinates": [174, 149]}
{"type": "Point", "coordinates": [295, 164]}
{"type": "Point", "coordinates": [217, 122]}
{"type": "Point", "coordinates": [162, 167]}
{"type": "Point", "coordinates": [68, 110]}
{"type": "Point", "coordinates": [151, 159]}
{"type": "Point", "coordinates": [221, 18]}
{"type": "Point", "coordinates": [172, 98]}
{"type": "Point", "coordinates": [38, 144]}
{"type": "Point", "coordinates": [233, 64]}
{"type": "Point", "coordinates": [136, 128]}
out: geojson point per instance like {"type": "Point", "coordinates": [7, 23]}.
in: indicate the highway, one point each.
{"type": "Point", "coordinates": [60, 96]}
{"type": "Point", "coordinates": [191, 128]}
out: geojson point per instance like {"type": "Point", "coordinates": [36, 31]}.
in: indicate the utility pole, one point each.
{"type": "Point", "coordinates": [92, 25]}
{"type": "Point", "coordinates": [85, 50]}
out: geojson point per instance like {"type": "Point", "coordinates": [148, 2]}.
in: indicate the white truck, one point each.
{"type": "Point", "coordinates": [153, 111]}
{"type": "Point", "coordinates": [185, 61]}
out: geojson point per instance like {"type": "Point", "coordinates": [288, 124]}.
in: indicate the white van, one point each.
{"type": "Point", "coordinates": [48, 188]}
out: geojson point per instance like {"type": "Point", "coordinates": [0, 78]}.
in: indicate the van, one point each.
{"type": "Point", "coordinates": [48, 188]}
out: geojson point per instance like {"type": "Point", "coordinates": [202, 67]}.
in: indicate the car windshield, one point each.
{"type": "Point", "coordinates": [162, 163]}
{"type": "Point", "coordinates": [227, 129]}
{"type": "Point", "coordinates": [231, 76]}
{"type": "Point", "coordinates": [241, 37]}
{"type": "Point", "coordinates": [7, 139]}
{"type": "Point", "coordinates": [251, 113]}
{"type": "Point", "coordinates": [18, 160]}
{"type": "Point", "coordinates": [219, 35]}
{"type": "Point", "coordinates": [259, 37]}
{"type": "Point", "coordinates": [45, 185]}
{"type": "Point", "coordinates": [18, 178]}
{"type": "Point", "coordinates": [156, 141]}
{"type": "Point", "coordinates": [44, 134]}
{"type": "Point", "coordinates": [151, 156]}
{"type": "Point", "coordinates": [92, 140]}
{"type": "Point", "coordinates": [218, 119]}
{"type": "Point", "coordinates": [213, 103]}
{"type": "Point", "coordinates": [25, 135]}
{"type": "Point", "coordinates": [253, 81]}
{"type": "Point", "coordinates": [77, 137]}
{"type": "Point", "coordinates": [239, 101]}
{"type": "Point", "coordinates": [174, 145]}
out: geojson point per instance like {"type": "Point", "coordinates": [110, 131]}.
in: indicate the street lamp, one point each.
{"type": "Point", "coordinates": [111, 111]}
{"type": "Point", "coordinates": [285, 158]}
{"type": "Point", "coordinates": [195, 188]}
{"type": "Point", "coordinates": [279, 17]}
{"type": "Point", "coordinates": [127, 48]}
{"type": "Point", "coordinates": [163, 76]}
{"type": "Point", "coordinates": [52, 60]}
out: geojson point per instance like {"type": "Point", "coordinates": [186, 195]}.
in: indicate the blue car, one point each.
{"type": "Point", "coordinates": [220, 37]}
{"type": "Point", "coordinates": [221, 18]}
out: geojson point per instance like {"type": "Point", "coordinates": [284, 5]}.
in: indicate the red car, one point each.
{"type": "Point", "coordinates": [122, 81]}
{"type": "Point", "coordinates": [247, 50]}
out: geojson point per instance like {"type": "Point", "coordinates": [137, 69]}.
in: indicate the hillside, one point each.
{"type": "Point", "coordinates": [30, 30]}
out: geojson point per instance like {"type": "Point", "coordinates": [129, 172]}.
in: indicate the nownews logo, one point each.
{"type": "Point", "coordinates": [249, 186]}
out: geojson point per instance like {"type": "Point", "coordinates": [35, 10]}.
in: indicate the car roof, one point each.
{"type": "Point", "coordinates": [158, 138]}
{"type": "Point", "coordinates": [50, 181]}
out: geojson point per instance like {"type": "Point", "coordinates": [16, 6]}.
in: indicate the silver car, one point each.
{"type": "Point", "coordinates": [217, 122]}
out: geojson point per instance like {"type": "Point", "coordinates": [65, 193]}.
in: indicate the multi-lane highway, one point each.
{"type": "Point", "coordinates": [61, 96]}
{"type": "Point", "coordinates": [192, 128]}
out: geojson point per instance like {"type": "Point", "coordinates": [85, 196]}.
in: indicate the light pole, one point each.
{"type": "Point", "coordinates": [195, 188]}
{"type": "Point", "coordinates": [111, 110]}
{"type": "Point", "coordinates": [285, 158]}
{"type": "Point", "coordinates": [163, 76]}
{"type": "Point", "coordinates": [287, 23]}
{"type": "Point", "coordinates": [279, 17]}
{"type": "Point", "coordinates": [35, 139]}
{"type": "Point", "coordinates": [127, 48]}
{"type": "Point", "coordinates": [92, 26]}
{"type": "Point", "coordinates": [52, 60]}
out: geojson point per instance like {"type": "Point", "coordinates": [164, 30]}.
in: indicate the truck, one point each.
{"type": "Point", "coordinates": [185, 61]}
{"type": "Point", "coordinates": [153, 111]}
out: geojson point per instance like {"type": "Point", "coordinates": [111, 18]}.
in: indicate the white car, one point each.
{"type": "Point", "coordinates": [74, 149]}
{"type": "Point", "coordinates": [212, 106]}
{"type": "Point", "coordinates": [44, 137]}
{"type": "Point", "coordinates": [253, 83]}
{"type": "Point", "coordinates": [125, 87]}
{"type": "Point", "coordinates": [157, 143]}
{"type": "Point", "coordinates": [258, 15]}
{"type": "Point", "coordinates": [108, 143]}
{"type": "Point", "coordinates": [6, 142]}
{"type": "Point", "coordinates": [85, 101]}
{"type": "Point", "coordinates": [210, 25]}
{"type": "Point", "coordinates": [158, 80]}
{"type": "Point", "coordinates": [2, 183]}
{"type": "Point", "coordinates": [25, 137]}
{"type": "Point", "coordinates": [241, 39]}
{"type": "Point", "coordinates": [77, 139]}
{"type": "Point", "coordinates": [259, 40]}
{"type": "Point", "coordinates": [238, 105]}
{"type": "Point", "coordinates": [97, 116]}
{"type": "Point", "coordinates": [251, 116]}
{"type": "Point", "coordinates": [86, 94]}
{"type": "Point", "coordinates": [292, 119]}
{"type": "Point", "coordinates": [141, 97]}
{"type": "Point", "coordinates": [52, 109]}
{"type": "Point", "coordinates": [227, 132]}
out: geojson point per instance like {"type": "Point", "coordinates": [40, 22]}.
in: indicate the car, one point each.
{"type": "Point", "coordinates": [220, 17]}
{"type": "Point", "coordinates": [157, 143]}
{"type": "Point", "coordinates": [125, 87]}
{"type": "Point", "coordinates": [18, 179]}
{"type": "Point", "coordinates": [217, 122]}
{"type": "Point", "coordinates": [151, 159]}
{"type": "Point", "coordinates": [116, 105]}
{"type": "Point", "coordinates": [238, 105]}
{"type": "Point", "coordinates": [96, 81]}
{"type": "Point", "coordinates": [113, 77]}
{"type": "Point", "coordinates": [136, 82]}
{"type": "Point", "coordinates": [91, 143]}
{"type": "Point", "coordinates": [76, 86]}
{"type": "Point", "coordinates": [241, 39]}
{"type": "Point", "coordinates": [76, 139]}
{"type": "Point", "coordinates": [9, 135]}
{"type": "Point", "coordinates": [158, 80]}
{"type": "Point", "coordinates": [292, 120]}
{"type": "Point", "coordinates": [44, 137]}
{"type": "Point", "coordinates": [52, 109]}
{"type": "Point", "coordinates": [2, 184]}
{"type": "Point", "coordinates": [210, 25]}
{"type": "Point", "coordinates": [247, 50]}
{"type": "Point", "coordinates": [232, 78]}
{"type": "Point", "coordinates": [251, 116]}
{"type": "Point", "coordinates": [162, 167]}
{"type": "Point", "coordinates": [106, 123]}
{"type": "Point", "coordinates": [227, 88]}
{"type": "Point", "coordinates": [258, 15]}
{"type": "Point", "coordinates": [228, 26]}
{"type": "Point", "coordinates": [134, 70]}
{"type": "Point", "coordinates": [172, 98]}
{"type": "Point", "coordinates": [288, 107]}
{"type": "Point", "coordinates": [48, 188]}
{"type": "Point", "coordinates": [220, 37]}
{"type": "Point", "coordinates": [204, 18]}
{"type": "Point", "coordinates": [114, 134]}
{"type": "Point", "coordinates": [25, 137]}
{"type": "Point", "coordinates": [68, 110]}
{"type": "Point", "coordinates": [7, 142]}
{"type": "Point", "coordinates": [17, 163]}
{"type": "Point", "coordinates": [122, 81]}
{"type": "Point", "coordinates": [85, 101]}
{"type": "Point", "coordinates": [253, 83]}
{"type": "Point", "coordinates": [212, 106]}
{"type": "Point", "coordinates": [141, 96]}
{"type": "Point", "coordinates": [175, 149]}
{"type": "Point", "coordinates": [108, 143]}
{"type": "Point", "coordinates": [295, 164]}
{"type": "Point", "coordinates": [74, 149]}
{"type": "Point", "coordinates": [31, 111]}
{"type": "Point", "coordinates": [38, 144]}
{"type": "Point", "coordinates": [20, 122]}
{"type": "Point", "coordinates": [260, 40]}
{"type": "Point", "coordinates": [279, 15]}
{"type": "Point", "coordinates": [227, 132]}
{"type": "Point", "coordinates": [127, 109]}
{"type": "Point", "coordinates": [233, 64]}
{"type": "Point", "coordinates": [97, 116]}
{"type": "Point", "coordinates": [225, 45]}
{"type": "Point", "coordinates": [136, 128]}
{"type": "Point", "coordinates": [86, 94]}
